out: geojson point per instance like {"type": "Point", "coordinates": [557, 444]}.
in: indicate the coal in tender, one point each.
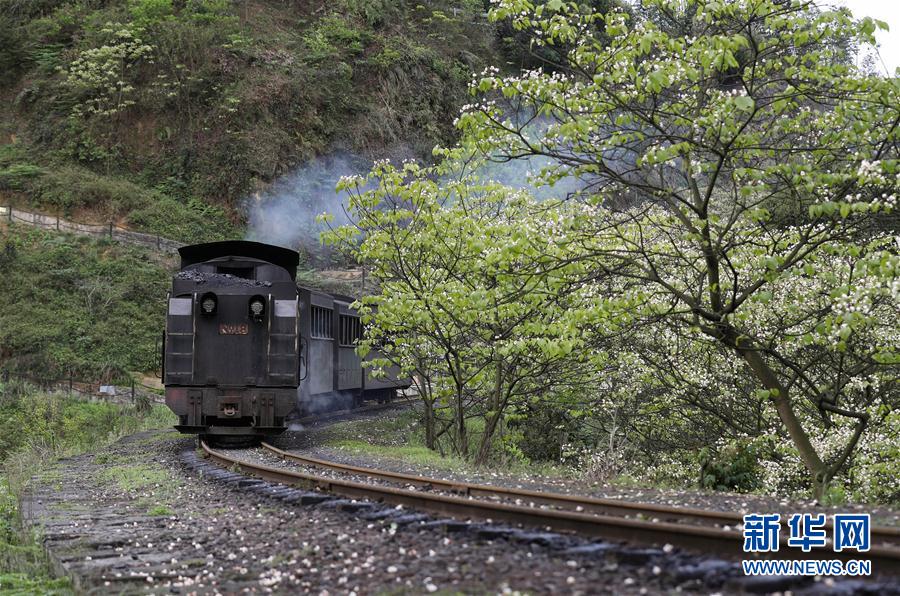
{"type": "Point", "coordinates": [220, 279]}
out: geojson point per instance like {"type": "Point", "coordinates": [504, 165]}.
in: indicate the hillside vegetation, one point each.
{"type": "Point", "coordinates": [79, 306]}
{"type": "Point", "coordinates": [166, 114]}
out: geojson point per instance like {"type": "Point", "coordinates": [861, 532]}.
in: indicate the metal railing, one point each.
{"type": "Point", "coordinates": [111, 231]}
{"type": "Point", "coordinates": [71, 385]}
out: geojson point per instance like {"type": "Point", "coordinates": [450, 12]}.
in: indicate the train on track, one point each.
{"type": "Point", "coordinates": [245, 349]}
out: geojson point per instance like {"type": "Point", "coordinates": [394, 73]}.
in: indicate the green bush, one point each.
{"type": "Point", "coordinates": [194, 221]}
{"type": "Point", "coordinates": [375, 12]}
{"type": "Point", "coordinates": [543, 431]}
{"type": "Point", "coordinates": [69, 188]}
{"type": "Point", "coordinates": [19, 176]}
{"type": "Point", "coordinates": [736, 466]}
{"type": "Point", "coordinates": [61, 424]}
{"type": "Point", "coordinates": [150, 12]}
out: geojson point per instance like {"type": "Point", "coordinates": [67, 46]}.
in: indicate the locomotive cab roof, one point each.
{"type": "Point", "coordinates": [276, 255]}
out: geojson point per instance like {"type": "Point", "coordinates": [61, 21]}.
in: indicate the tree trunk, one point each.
{"type": "Point", "coordinates": [429, 423]}
{"type": "Point", "coordinates": [461, 435]}
{"type": "Point", "coordinates": [484, 449]}
{"type": "Point", "coordinates": [423, 385]}
{"type": "Point", "coordinates": [493, 417]}
{"type": "Point", "coordinates": [782, 402]}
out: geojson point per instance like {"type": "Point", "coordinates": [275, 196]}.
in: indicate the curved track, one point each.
{"type": "Point", "coordinates": [579, 503]}
{"type": "Point", "coordinates": [527, 497]}
{"type": "Point", "coordinates": [691, 528]}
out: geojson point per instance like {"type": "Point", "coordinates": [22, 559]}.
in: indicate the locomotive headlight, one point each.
{"type": "Point", "coordinates": [208, 304]}
{"type": "Point", "coordinates": [257, 308]}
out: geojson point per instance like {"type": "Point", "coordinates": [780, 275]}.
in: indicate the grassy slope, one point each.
{"type": "Point", "coordinates": [75, 304]}
{"type": "Point", "coordinates": [217, 99]}
{"type": "Point", "coordinates": [35, 429]}
{"type": "Point", "coordinates": [172, 132]}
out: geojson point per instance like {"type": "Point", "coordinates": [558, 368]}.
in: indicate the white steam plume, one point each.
{"type": "Point", "coordinates": [285, 214]}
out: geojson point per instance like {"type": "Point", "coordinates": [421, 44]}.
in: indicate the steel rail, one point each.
{"type": "Point", "coordinates": [727, 543]}
{"type": "Point", "coordinates": [588, 504]}
{"type": "Point", "coordinates": [578, 502]}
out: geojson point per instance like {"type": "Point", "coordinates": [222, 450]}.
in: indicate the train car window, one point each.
{"type": "Point", "coordinates": [320, 323]}
{"type": "Point", "coordinates": [351, 330]}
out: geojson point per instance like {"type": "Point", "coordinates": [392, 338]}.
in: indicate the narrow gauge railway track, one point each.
{"type": "Point", "coordinates": [579, 503]}
{"type": "Point", "coordinates": [719, 541]}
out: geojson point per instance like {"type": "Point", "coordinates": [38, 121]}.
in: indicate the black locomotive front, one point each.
{"type": "Point", "coordinates": [231, 345]}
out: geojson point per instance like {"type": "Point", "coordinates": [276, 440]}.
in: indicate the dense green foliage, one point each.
{"type": "Point", "coordinates": [78, 306]}
{"type": "Point", "coordinates": [157, 110]}
{"type": "Point", "coordinates": [723, 278]}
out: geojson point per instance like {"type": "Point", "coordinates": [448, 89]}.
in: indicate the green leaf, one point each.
{"type": "Point", "coordinates": [744, 103]}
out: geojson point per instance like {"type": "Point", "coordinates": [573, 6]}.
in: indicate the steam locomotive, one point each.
{"type": "Point", "coordinates": [245, 349]}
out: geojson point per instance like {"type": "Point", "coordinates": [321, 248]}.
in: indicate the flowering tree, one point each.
{"type": "Point", "coordinates": [101, 77]}
{"type": "Point", "coordinates": [472, 302]}
{"type": "Point", "coordinates": [741, 173]}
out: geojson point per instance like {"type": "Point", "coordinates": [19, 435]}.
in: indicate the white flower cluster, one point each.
{"type": "Point", "coordinates": [100, 75]}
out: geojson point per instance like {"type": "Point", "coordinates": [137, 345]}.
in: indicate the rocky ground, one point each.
{"type": "Point", "coordinates": [148, 515]}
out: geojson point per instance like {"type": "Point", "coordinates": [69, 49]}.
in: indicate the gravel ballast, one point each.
{"type": "Point", "coordinates": [148, 514]}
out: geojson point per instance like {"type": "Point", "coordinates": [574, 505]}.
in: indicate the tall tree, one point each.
{"type": "Point", "coordinates": [725, 160]}
{"type": "Point", "coordinates": [471, 302]}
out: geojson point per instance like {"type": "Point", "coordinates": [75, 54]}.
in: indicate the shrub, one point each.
{"type": "Point", "coordinates": [69, 188]}
{"type": "Point", "coordinates": [19, 176]}
{"type": "Point", "coordinates": [150, 12]}
{"type": "Point", "coordinates": [733, 467]}
{"type": "Point", "coordinates": [194, 221]}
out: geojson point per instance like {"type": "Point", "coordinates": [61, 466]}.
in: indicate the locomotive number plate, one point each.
{"type": "Point", "coordinates": [241, 329]}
